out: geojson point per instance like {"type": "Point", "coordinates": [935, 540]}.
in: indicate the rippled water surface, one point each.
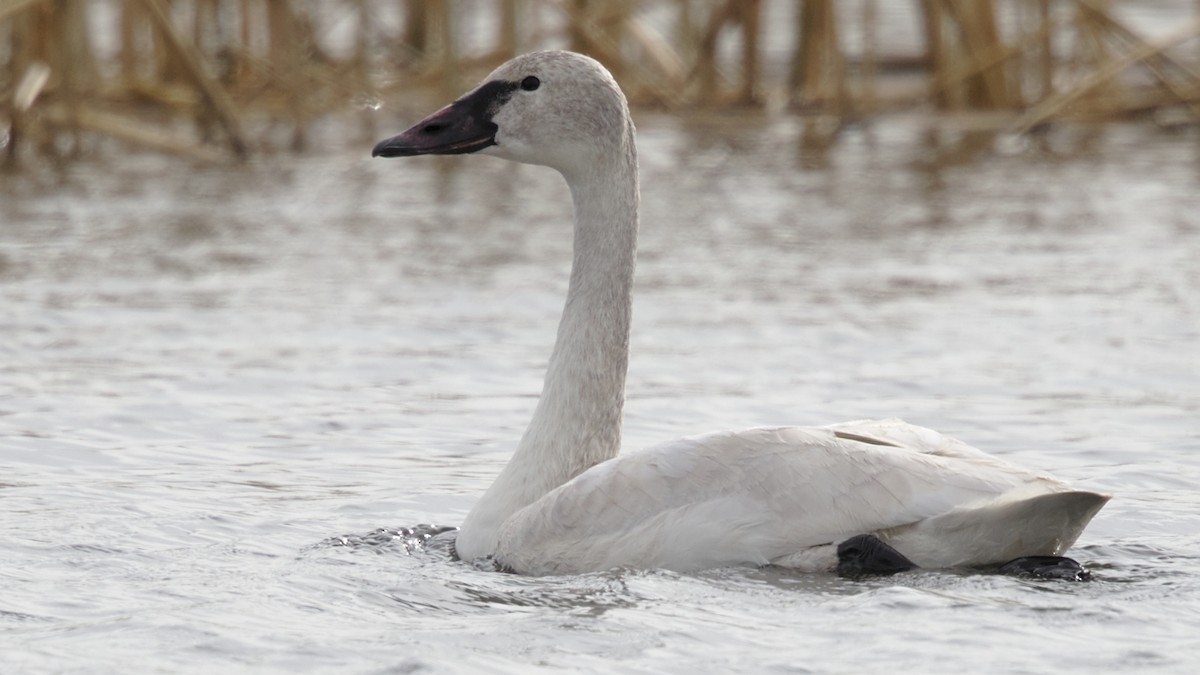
{"type": "Point", "coordinates": [208, 375]}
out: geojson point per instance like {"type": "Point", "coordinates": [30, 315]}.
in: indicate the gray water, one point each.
{"type": "Point", "coordinates": [207, 375]}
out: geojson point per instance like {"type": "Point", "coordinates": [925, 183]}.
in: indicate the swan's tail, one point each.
{"type": "Point", "coordinates": [1013, 525]}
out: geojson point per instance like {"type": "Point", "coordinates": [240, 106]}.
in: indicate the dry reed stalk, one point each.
{"type": "Point", "coordinates": [1123, 31]}
{"type": "Point", "coordinates": [749, 13]}
{"type": "Point", "coordinates": [704, 71]}
{"type": "Point", "coordinates": [661, 55]}
{"type": "Point", "coordinates": [982, 38]}
{"type": "Point", "coordinates": [50, 51]}
{"type": "Point", "coordinates": [130, 131]}
{"type": "Point", "coordinates": [239, 69]}
{"type": "Point", "coordinates": [11, 8]}
{"type": "Point", "coordinates": [685, 29]}
{"type": "Point", "coordinates": [1092, 52]}
{"type": "Point", "coordinates": [577, 11]}
{"type": "Point", "coordinates": [867, 73]}
{"type": "Point", "coordinates": [27, 91]}
{"type": "Point", "coordinates": [979, 39]}
{"type": "Point", "coordinates": [444, 20]}
{"type": "Point", "coordinates": [269, 61]}
{"type": "Point", "coordinates": [166, 67]}
{"type": "Point", "coordinates": [416, 34]}
{"type": "Point", "coordinates": [214, 95]}
{"type": "Point", "coordinates": [1108, 108]}
{"type": "Point", "coordinates": [18, 70]}
{"type": "Point", "coordinates": [1160, 64]}
{"type": "Point", "coordinates": [1046, 50]}
{"type": "Point", "coordinates": [1097, 79]}
{"type": "Point", "coordinates": [286, 55]}
{"type": "Point", "coordinates": [30, 86]}
{"type": "Point", "coordinates": [999, 53]}
{"type": "Point", "coordinates": [818, 69]}
{"type": "Point", "coordinates": [73, 59]}
{"type": "Point", "coordinates": [634, 50]}
{"type": "Point", "coordinates": [210, 33]}
{"type": "Point", "coordinates": [35, 34]}
{"type": "Point", "coordinates": [360, 62]}
{"type": "Point", "coordinates": [937, 53]}
{"type": "Point", "coordinates": [129, 22]}
{"type": "Point", "coordinates": [509, 42]}
{"type": "Point", "coordinates": [597, 28]}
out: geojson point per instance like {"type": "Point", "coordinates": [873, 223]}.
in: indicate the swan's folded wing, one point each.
{"type": "Point", "coordinates": [750, 497]}
{"type": "Point", "coordinates": [897, 432]}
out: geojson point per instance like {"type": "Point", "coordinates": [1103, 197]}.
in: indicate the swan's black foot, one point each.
{"type": "Point", "coordinates": [1046, 567]}
{"type": "Point", "coordinates": [867, 555]}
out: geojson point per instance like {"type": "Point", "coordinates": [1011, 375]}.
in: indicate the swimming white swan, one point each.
{"type": "Point", "coordinates": [567, 503]}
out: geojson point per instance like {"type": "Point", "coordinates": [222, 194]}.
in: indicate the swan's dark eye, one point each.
{"type": "Point", "coordinates": [530, 83]}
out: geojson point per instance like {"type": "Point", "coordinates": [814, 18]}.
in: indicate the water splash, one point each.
{"type": "Point", "coordinates": [419, 538]}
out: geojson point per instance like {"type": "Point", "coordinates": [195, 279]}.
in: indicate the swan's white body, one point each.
{"type": "Point", "coordinates": [787, 496]}
{"type": "Point", "coordinates": [566, 503]}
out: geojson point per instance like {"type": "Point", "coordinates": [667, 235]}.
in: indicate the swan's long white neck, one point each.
{"type": "Point", "coordinates": [577, 423]}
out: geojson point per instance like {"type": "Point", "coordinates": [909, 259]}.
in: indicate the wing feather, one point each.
{"type": "Point", "coordinates": [752, 496]}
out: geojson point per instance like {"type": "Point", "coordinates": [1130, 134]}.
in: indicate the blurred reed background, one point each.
{"type": "Point", "coordinates": [222, 79]}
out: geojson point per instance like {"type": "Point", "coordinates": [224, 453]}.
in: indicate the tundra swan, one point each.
{"type": "Point", "coordinates": [866, 495]}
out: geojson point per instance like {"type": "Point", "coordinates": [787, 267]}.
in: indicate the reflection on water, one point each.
{"type": "Point", "coordinates": [207, 372]}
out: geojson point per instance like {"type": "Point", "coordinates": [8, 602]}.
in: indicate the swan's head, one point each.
{"type": "Point", "coordinates": [555, 108]}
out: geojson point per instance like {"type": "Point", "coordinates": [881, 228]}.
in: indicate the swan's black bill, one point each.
{"type": "Point", "coordinates": [449, 131]}
{"type": "Point", "coordinates": [461, 127]}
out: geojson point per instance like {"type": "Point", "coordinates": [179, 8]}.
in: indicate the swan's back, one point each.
{"type": "Point", "coordinates": [785, 495]}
